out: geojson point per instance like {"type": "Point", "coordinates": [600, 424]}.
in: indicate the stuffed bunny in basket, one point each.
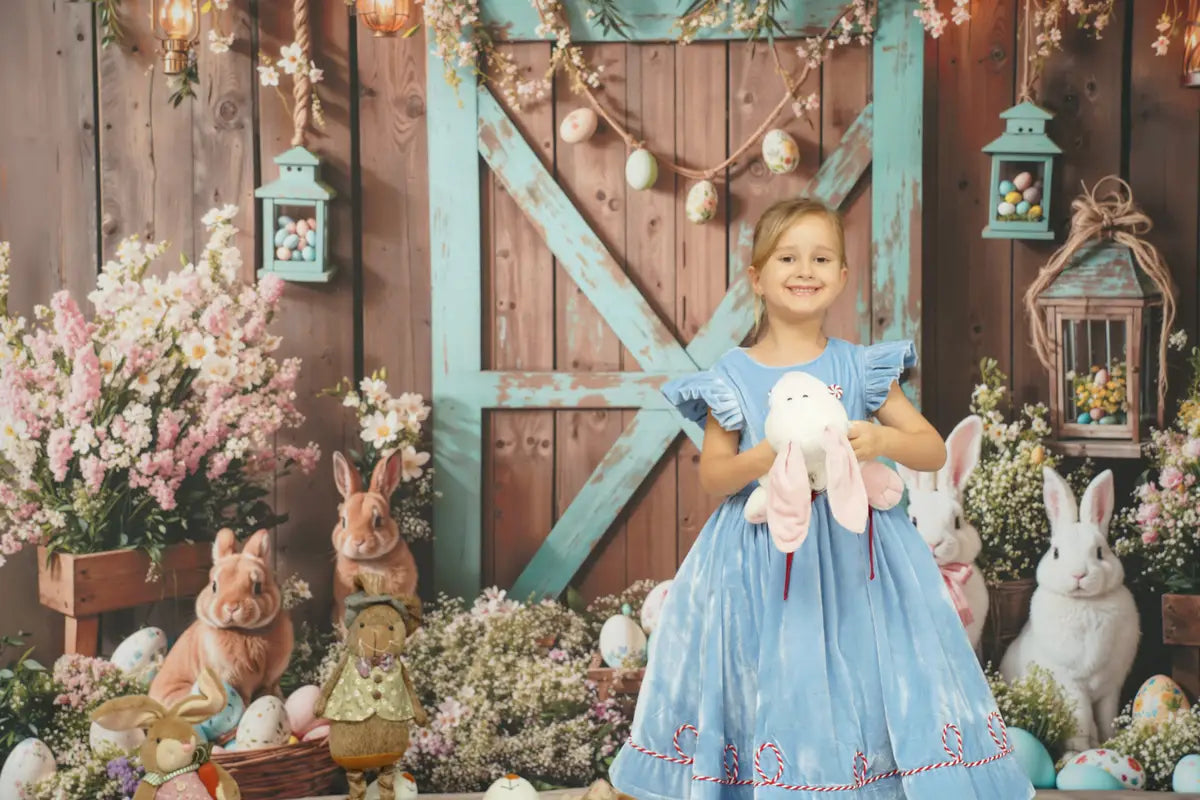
{"type": "Point", "coordinates": [176, 761]}
{"type": "Point", "coordinates": [1083, 623]}
{"type": "Point", "coordinates": [807, 426]}
{"type": "Point", "coordinates": [935, 507]}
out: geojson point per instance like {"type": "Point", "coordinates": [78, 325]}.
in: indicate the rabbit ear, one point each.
{"type": "Point", "coordinates": [224, 545]}
{"type": "Point", "coordinates": [962, 455]}
{"type": "Point", "coordinates": [1097, 504]}
{"type": "Point", "coordinates": [128, 713]}
{"type": "Point", "coordinates": [789, 500]}
{"type": "Point", "coordinates": [345, 477]}
{"type": "Point", "coordinates": [386, 476]}
{"type": "Point", "coordinates": [259, 545]}
{"type": "Point", "coordinates": [1059, 499]}
{"type": "Point", "coordinates": [199, 707]}
{"type": "Point", "coordinates": [915, 481]}
{"type": "Point", "coordinates": [845, 488]}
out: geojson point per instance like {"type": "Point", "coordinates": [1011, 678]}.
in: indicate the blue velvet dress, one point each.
{"type": "Point", "coordinates": [861, 684]}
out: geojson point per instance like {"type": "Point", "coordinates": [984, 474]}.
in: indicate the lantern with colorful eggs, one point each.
{"type": "Point", "coordinates": [1021, 176]}
{"type": "Point", "coordinates": [1191, 46]}
{"type": "Point", "coordinates": [295, 210]}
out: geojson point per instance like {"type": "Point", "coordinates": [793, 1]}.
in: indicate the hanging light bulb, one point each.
{"type": "Point", "coordinates": [385, 17]}
{"type": "Point", "coordinates": [177, 26]}
{"type": "Point", "coordinates": [1191, 46]}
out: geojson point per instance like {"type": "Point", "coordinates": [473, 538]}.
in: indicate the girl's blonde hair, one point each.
{"type": "Point", "coordinates": [770, 228]}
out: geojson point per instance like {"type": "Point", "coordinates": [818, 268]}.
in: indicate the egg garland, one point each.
{"type": "Point", "coordinates": [1019, 199]}
{"type": "Point", "coordinates": [296, 240]}
{"type": "Point", "coordinates": [641, 169]}
{"type": "Point", "coordinates": [701, 203]}
{"type": "Point", "coordinates": [578, 126]}
{"type": "Point", "coordinates": [780, 152]}
{"type": "Point", "coordinates": [622, 642]}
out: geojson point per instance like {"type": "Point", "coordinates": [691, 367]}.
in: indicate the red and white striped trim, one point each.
{"type": "Point", "coordinates": [952, 743]}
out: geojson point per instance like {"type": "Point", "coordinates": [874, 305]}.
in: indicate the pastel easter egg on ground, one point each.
{"type": "Point", "coordinates": [301, 718]}
{"type": "Point", "coordinates": [1082, 777]}
{"type": "Point", "coordinates": [1186, 777]}
{"type": "Point", "coordinates": [511, 787]}
{"type": "Point", "coordinates": [641, 170]}
{"type": "Point", "coordinates": [701, 202]}
{"type": "Point", "coordinates": [653, 604]}
{"type": "Point", "coordinates": [29, 762]}
{"type": "Point", "coordinates": [780, 152]}
{"type": "Point", "coordinates": [622, 641]}
{"type": "Point", "coordinates": [139, 652]}
{"type": "Point", "coordinates": [114, 743]}
{"type": "Point", "coordinates": [578, 126]}
{"type": "Point", "coordinates": [1158, 697]}
{"type": "Point", "coordinates": [1127, 771]}
{"type": "Point", "coordinates": [264, 724]}
{"type": "Point", "coordinates": [225, 720]}
{"type": "Point", "coordinates": [1031, 754]}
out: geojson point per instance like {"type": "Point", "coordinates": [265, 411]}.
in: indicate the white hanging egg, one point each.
{"type": "Point", "coordinates": [29, 762]}
{"type": "Point", "coordinates": [139, 655]}
{"type": "Point", "coordinates": [641, 170]}
{"type": "Point", "coordinates": [701, 202]}
{"type": "Point", "coordinates": [780, 152]}
{"type": "Point", "coordinates": [264, 724]}
{"type": "Point", "coordinates": [578, 126]}
{"type": "Point", "coordinates": [114, 743]}
{"type": "Point", "coordinates": [511, 787]}
{"type": "Point", "coordinates": [622, 642]}
{"type": "Point", "coordinates": [652, 605]}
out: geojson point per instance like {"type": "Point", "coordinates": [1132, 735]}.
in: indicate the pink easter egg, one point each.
{"type": "Point", "coordinates": [317, 733]}
{"type": "Point", "coordinates": [1023, 181]}
{"type": "Point", "coordinates": [291, 227]}
{"type": "Point", "coordinates": [283, 254]}
{"type": "Point", "coordinates": [1032, 195]}
{"type": "Point", "coordinates": [1097, 413]}
{"type": "Point", "coordinates": [1101, 377]}
{"type": "Point", "coordinates": [312, 223]}
{"type": "Point", "coordinates": [301, 228]}
{"type": "Point", "coordinates": [299, 706]}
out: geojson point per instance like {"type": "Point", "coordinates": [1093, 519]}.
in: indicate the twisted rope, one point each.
{"type": "Point", "coordinates": [1115, 218]}
{"type": "Point", "coordinates": [301, 86]}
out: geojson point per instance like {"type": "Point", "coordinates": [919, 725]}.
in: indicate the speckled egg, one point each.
{"type": "Point", "coordinates": [1156, 698]}
{"type": "Point", "coordinates": [622, 641]}
{"type": "Point", "coordinates": [780, 152]}
{"type": "Point", "coordinates": [140, 653]}
{"type": "Point", "coordinates": [653, 604]}
{"type": "Point", "coordinates": [641, 170]}
{"type": "Point", "coordinates": [1186, 777]}
{"type": "Point", "coordinates": [1006, 209]}
{"type": "Point", "coordinates": [29, 762]}
{"type": "Point", "coordinates": [1023, 181]}
{"type": "Point", "coordinates": [1031, 754]}
{"type": "Point", "coordinates": [301, 718]}
{"type": "Point", "coordinates": [225, 720]}
{"type": "Point", "coordinates": [1077, 777]}
{"type": "Point", "coordinates": [1127, 771]}
{"type": "Point", "coordinates": [578, 126]}
{"type": "Point", "coordinates": [1006, 187]}
{"type": "Point", "coordinates": [114, 743]}
{"type": "Point", "coordinates": [701, 202]}
{"type": "Point", "coordinates": [511, 787]}
{"type": "Point", "coordinates": [263, 725]}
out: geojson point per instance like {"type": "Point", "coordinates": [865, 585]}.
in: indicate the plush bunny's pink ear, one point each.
{"type": "Point", "coordinates": [884, 486]}
{"type": "Point", "coordinates": [844, 482]}
{"type": "Point", "coordinates": [789, 500]}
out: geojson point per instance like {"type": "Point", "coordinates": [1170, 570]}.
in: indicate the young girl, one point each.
{"type": "Point", "coordinates": [859, 684]}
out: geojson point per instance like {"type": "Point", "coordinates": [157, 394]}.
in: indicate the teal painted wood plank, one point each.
{"type": "Point", "coordinates": [455, 277]}
{"type": "Point", "coordinates": [578, 249]}
{"type": "Point", "coordinates": [734, 316]}
{"type": "Point", "coordinates": [620, 473]}
{"type": "Point", "coordinates": [899, 82]}
{"type": "Point", "coordinates": [649, 20]}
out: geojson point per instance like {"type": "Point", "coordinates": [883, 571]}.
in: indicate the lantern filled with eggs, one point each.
{"type": "Point", "coordinates": [1104, 318]}
{"type": "Point", "coordinates": [295, 210]}
{"type": "Point", "coordinates": [1021, 176]}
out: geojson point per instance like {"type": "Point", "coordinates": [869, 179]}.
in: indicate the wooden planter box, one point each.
{"type": "Point", "coordinates": [1181, 628]}
{"type": "Point", "coordinates": [621, 685]}
{"type": "Point", "coordinates": [1008, 611]}
{"type": "Point", "coordinates": [82, 587]}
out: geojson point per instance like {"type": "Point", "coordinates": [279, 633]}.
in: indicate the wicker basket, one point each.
{"type": "Point", "coordinates": [278, 773]}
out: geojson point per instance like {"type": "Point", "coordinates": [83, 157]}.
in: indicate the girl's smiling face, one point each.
{"type": "Point", "coordinates": [805, 272]}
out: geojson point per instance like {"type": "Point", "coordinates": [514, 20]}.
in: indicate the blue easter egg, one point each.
{"type": "Point", "coordinates": [1084, 419]}
{"type": "Point", "coordinates": [308, 254]}
{"type": "Point", "coordinates": [280, 235]}
{"type": "Point", "coordinates": [1108, 420]}
{"type": "Point", "coordinates": [1006, 187]}
{"type": "Point", "coordinates": [226, 719]}
{"type": "Point", "coordinates": [1187, 774]}
{"type": "Point", "coordinates": [1023, 207]}
{"type": "Point", "coordinates": [1031, 754]}
{"type": "Point", "coordinates": [285, 221]}
{"type": "Point", "coordinates": [1085, 777]}
{"type": "Point", "coordinates": [290, 241]}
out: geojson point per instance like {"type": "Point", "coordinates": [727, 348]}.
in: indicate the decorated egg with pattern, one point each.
{"type": "Point", "coordinates": [29, 762]}
{"type": "Point", "coordinates": [1125, 769]}
{"type": "Point", "coordinates": [511, 787]}
{"type": "Point", "coordinates": [641, 170]}
{"type": "Point", "coordinates": [1158, 697]}
{"type": "Point", "coordinates": [780, 152]}
{"type": "Point", "coordinates": [226, 719]}
{"type": "Point", "coordinates": [140, 654]}
{"type": "Point", "coordinates": [622, 642]}
{"type": "Point", "coordinates": [578, 126]}
{"type": "Point", "coordinates": [264, 724]}
{"type": "Point", "coordinates": [701, 202]}
{"type": "Point", "coordinates": [653, 604]}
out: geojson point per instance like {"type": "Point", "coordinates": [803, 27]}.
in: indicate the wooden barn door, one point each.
{"type": "Point", "coordinates": [563, 299]}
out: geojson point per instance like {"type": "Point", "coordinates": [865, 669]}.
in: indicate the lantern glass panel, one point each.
{"type": "Point", "coordinates": [1095, 363]}
{"type": "Point", "coordinates": [295, 232]}
{"type": "Point", "coordinates": [1019, 193]}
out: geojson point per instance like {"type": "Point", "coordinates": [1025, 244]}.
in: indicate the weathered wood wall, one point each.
{"type": "Point", "coordinates": [97, 154]}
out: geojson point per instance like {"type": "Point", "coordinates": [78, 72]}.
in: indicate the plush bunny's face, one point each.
{"type": "Point", "coordinates": [801, 407]}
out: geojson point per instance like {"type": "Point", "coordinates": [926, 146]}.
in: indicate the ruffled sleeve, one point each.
{"type": "Point", "coordinates": [694, 395]}
{"type": "Point", "coordinates": [883, 364]}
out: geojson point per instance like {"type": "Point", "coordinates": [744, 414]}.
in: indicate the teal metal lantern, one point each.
{"type": "Point", "coordinates": [296, 220]}
{"type": "Point", "coordinates": [1022, 173]}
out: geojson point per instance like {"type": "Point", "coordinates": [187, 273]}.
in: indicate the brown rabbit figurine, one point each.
{"type": "Point", "coordinates": [177, 765]}
{"type": "Point", "coordinates": [369, 699]}
{"type": "Point", "coordinates": [366, 538]}
{"type": "Point", "coordinates": [241, 630]}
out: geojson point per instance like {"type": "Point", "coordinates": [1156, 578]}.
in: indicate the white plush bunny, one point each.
{"type": "Point", "coordinates": [1083, 624]}
{"type": "Point", "coordinates": [935, 507]}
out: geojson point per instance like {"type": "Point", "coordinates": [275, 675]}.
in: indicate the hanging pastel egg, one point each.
{"type": "Point", "coordinates": [1006, 187]}
{"type": "Point", "coordinates": [1031, 754]}
{"type": "Point", "coordinates": [511, 787]}
{"type": "Point", "coordinates": [1186, 777]}
{"type": "Point", "coordinates": [701, 202]}
{"type": "Point", "coordinates": [1156, 699]}
{"type": "Point", "coordinates": [29, 762]}
{"type": "Point", "coordinates": [578, 126]}
{"type": "Point", "coordinates": [780, 152]}
{"type": "Point", "coordinates": [1006, 209]}
{"type": "Point", "coordinates": [1127, 771]}
{"type": "Point", "coordinates": [1032, 195]}
{"type": "Point", "coordinates": [641, 170]}
{"type": "Point", "coordinates": [622, 641]}
{"type": "Point", "coordinates": [1023, 181]}
{"type": "Point", "coordinates": [1022, 208]}
{"type": "Point", "coordinates": [653, 604]}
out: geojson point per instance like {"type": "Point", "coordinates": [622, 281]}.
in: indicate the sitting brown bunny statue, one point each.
{"type": "Point", "coordinates": [174, 754]}
{"type": "Point", "coordinates": [369, 699]}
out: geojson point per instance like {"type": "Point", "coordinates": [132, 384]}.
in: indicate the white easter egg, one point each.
{"type": "Point", "coordinates": [1101, 377]}
{"type": "Point", "coordinates": [1006, 209]}
{"type": "Point", "coordinates": [652, 605]}
{"type": "Point", "coordinates": [264, 724]}
{"type": "Point", "coordinates": [117, 743]}
{"type": "Point", "coordinates": [511, 787]}
{"type": "Point", "coordinates": [319, 732]}
{"type": "Point", "coordinates": [1023, 181]}
{"type": "Point", "coordinates": [701, 202]}
{"type": "Point", "coordinates": [622, 641]}
{"type": "Point", "coordinates": [1125, 769]}
{"type": "Point", "coordinates": [578, 126]}
{"type": "Point", "coordinates": [1186, 777]}
{"type": "Point", "coordinates": [780, 152]}
{"type": "Point", "coordinates": [1156, 698]}
{"type": "Point", "coordinates": [140, 653]}
{"type": "Point", "coordinates": [29, 762]}
{"type": "Point", "coordinates": [641, 170]}
{"type": "Point", "coordinates": [226, 719]}
{"type": "Point", "coordinates": [301, 717]}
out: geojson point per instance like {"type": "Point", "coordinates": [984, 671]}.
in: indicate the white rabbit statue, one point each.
{"type": "Point", "coordinates": [935, 507]}
{"type": "Point", "coordinates": [1083, 624]}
